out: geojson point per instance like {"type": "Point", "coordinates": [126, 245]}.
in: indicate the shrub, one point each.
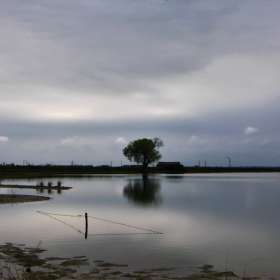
{"type": "Point", "coordinates": [40, 184]}
{"type": "Point", "coordinates": [59, 183]}
{"type": "Point", "coordinates": [174, 168]}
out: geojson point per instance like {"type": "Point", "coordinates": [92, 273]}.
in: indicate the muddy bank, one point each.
{"type": "Point", "coordinates": [35, 187]}
{"type": "Point", "coordinates": [20, 262]}
{"type": "Point", "coordinates": [16, 198]}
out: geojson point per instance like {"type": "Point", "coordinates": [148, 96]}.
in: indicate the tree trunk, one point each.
{"type": "Point", "coordinates": [145, 180]}
{"type": "Point", "coordinates": [144, 169]}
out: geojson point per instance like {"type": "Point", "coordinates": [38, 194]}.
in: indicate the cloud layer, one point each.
{"type": "Point", "coordinates": [76, 76]}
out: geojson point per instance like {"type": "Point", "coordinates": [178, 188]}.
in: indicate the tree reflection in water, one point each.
{"type": "Point", "coordinates": [144, 191]}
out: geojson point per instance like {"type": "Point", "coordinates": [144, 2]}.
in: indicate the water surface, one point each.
{"type": "Point", "coordinates": [227, 220]}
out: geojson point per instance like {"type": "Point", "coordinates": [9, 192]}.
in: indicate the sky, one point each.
{"type": "Point", "coordinates": [81, 79]}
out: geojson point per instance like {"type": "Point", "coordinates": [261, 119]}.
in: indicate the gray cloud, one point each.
{"type": "Point", "coordinates": [76, 76]}
{"type": "Point", "coordinates": [74, 141]}
{"type": "Point", "coordinates": [4, 139]}
{"type": "Point", "coordinates": [249, 130]}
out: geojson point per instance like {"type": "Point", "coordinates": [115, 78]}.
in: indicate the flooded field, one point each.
{"type": "Point", "coordinates": [174, 223]}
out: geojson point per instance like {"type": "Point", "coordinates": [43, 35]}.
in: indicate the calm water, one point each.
{"type": "Point", "coordinates": [204, 219]}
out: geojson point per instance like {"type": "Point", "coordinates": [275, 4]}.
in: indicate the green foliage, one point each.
{"type": "Point", "coordinates": [143, 151]}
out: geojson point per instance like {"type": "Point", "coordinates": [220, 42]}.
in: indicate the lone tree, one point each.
{"type": "Point", "coordinates": [143, 151]}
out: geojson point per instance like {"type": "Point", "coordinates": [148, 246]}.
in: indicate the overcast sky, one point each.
{"type": "Point", "coordinates": [81, 79]}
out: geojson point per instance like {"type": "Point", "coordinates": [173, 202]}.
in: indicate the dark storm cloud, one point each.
{"type": "Point", "coordinates": [63, 42]}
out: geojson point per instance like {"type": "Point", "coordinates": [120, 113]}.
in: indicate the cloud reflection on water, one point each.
{"type": "Point", "coordinates": [202, 219]}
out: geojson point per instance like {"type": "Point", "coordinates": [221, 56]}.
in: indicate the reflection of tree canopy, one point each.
{"type": "Point", "coordinates": [143, 191]}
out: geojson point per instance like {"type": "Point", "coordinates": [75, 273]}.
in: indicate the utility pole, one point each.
{"type": "Point", "coordinates": [229, 161]}
{"type": "Point", "coordinates": [86, 230]}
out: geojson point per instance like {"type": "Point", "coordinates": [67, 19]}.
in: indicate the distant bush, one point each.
{"type": "Point", "coordinates": [174, 168]}
{"type": "Point", "coordinates": [59, 183]}
{"type": "Point", "coordinates": [40, 184]}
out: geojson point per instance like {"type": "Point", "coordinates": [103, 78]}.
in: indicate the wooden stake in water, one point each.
{"type": "Point", "coordinates": [86, 231]}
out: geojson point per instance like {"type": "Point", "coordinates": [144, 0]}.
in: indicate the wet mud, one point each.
{"type": "Point", "coordinates": [20, 262]}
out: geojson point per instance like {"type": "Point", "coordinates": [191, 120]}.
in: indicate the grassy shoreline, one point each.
{"type": "Point", "coordinates": [21, 198]}
{"type": "Point", "coordinates": [38, 171]}
{"type": "Point", "coordinates": [55, 188]}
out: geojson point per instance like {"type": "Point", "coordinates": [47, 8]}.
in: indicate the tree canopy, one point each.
{"type": "Point", "coordinates": [143, 151]}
